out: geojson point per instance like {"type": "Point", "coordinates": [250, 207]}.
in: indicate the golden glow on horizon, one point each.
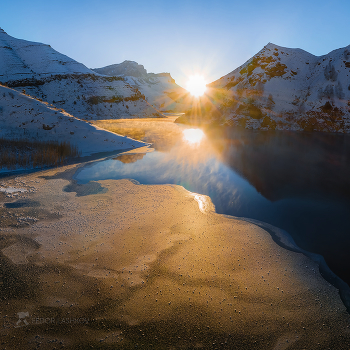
{"type": "Point", "coordinates": [193, 136]}
{"type": "Point", "coordinates": [196, 85]}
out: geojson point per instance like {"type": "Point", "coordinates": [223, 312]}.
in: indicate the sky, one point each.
{"type": "Point", "coordinates": [210, 38]}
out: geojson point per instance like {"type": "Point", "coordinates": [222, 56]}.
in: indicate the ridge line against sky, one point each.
{"type": "Point", "coordinates": [179, 37]}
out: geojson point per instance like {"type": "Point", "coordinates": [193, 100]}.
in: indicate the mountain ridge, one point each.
{"type": "Point", "coordinates": [279, 88]}
{"type": "Point", "coordinates": [66, 83]}
{"type": "Point", "coordinates": [159, 89]}
{"type": "Point", "coordinates": [126, 68]}
{"type": "Point", "coordinates": [27, 59]}
{"type": "Point", "coordinates": [287, 89]}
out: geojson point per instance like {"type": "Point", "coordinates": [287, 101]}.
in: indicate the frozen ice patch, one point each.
{"type": "Point", "coordinates": [12, 189]}
{"type": "Point", "coordinates": [204, 203]}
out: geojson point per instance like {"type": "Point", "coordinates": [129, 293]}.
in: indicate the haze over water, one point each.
{"type": "Point", "coordinates": [299, 182]}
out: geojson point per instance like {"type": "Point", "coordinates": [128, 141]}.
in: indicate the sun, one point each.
{"type": "Point", "coordinates": [196, 85]}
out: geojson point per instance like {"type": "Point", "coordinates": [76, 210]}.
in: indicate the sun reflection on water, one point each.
{"type": "Point", "coordinates": [193, 136]}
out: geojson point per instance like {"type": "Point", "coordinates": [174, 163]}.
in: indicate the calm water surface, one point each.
{"type": "Point", "coordinates": [299, 182]}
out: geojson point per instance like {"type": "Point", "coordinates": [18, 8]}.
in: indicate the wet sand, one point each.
{"type": "Point", "coordinates": [113, 264]}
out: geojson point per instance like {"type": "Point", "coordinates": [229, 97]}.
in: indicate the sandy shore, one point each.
{"type": "Point", "coordinates": [117, 265]}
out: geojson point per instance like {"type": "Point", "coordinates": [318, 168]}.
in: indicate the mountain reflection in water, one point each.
{"type": "Point", "coordinates": [299, 182]}
{"type": "Point", "coordinates": [130, 158]}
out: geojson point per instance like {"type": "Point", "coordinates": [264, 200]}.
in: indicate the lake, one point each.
{"type": "Point", "coordinates": [299, 182]}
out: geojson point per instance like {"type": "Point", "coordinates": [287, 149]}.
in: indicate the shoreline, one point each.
{"type": "Point", "coordinates": [279, 236]}
{"type": "Point", "coordinates": [152, 248]}
{"type": "Point", "coordinates": [286, 241]}
{"type": "Point", "coordinates": [77, 160]}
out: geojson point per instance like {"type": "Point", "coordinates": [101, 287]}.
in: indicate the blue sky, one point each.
{"type": "Point", "coordinates": [181, 37]}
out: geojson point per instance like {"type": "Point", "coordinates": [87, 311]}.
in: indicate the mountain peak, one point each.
{"type": "Point", "coordinates": [126, 68]}
{"type": "Point", "coordinates": [271, 45]}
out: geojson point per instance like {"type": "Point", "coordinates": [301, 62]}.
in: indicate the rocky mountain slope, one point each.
{"type": "Point", "coordinates": [287, 89]}
{"type": "Point", "coordinates": [24, 117]}
{"type": "Point", "coordinates": [160, 90]}
{"type": "Point", "coordinates": [47, 74]}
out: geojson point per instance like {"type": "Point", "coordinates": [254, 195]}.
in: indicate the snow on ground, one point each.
{"type": "Point", "coordinates": [23, 117]}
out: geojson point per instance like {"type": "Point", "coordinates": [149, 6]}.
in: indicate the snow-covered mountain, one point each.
{"type": "Point", "coordinates": [282, 88]}
{"type": "Point", "coordinates": [160, 90]}
{"type": "Point", "coordinates": [24, 117]}
{"type": "Point", "coordinates": [47, 74]}
{"type": "Point", "coordinates": [21, 59]}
